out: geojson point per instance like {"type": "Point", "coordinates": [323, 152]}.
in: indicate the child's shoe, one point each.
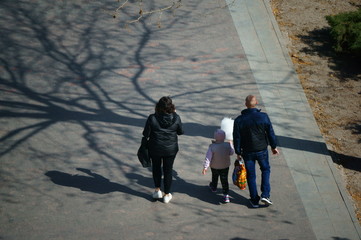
{"type": "Point", "coordinates": [226, 198]}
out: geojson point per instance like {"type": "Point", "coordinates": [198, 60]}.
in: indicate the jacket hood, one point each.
{"type": "Point", "coordinates": [166, 120]}
{"type": "Point", "coordinates": [250, 110]}
{"type": "Point", "coordinates": [219, 135]}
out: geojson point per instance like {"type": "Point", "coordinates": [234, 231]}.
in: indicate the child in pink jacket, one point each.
{"type": "Point", "coordinates": [218, 158]}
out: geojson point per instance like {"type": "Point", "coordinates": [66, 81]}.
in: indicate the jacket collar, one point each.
{"type": "Point", "coordinates": [250, 110]}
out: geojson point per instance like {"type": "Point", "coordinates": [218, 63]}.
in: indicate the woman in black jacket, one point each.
{"type": "Point", "coordinates": [162, 129]}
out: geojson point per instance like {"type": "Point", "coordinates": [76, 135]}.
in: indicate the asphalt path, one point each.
{"type": "Point", "coordinates": [76, 88]}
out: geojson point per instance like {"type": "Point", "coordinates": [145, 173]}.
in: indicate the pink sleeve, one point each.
{"type": "Point", "coordinates": [231, 152]}
{"type": "Point", "coordinates": [207, 160]}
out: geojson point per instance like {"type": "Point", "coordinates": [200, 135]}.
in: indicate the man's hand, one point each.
{"type": "Point", "coordinates": [239, 157]}
{"type": "Point", "coordinates": [275, 151]}
{"type": "Point", "coordinates": [204, 171]}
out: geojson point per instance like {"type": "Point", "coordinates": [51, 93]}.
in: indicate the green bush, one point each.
{"type": "Point", "coordinates": [346, 32]}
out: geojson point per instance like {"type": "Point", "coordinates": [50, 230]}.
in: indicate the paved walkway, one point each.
{"type": "Point", "coordinates": [318, 183]}
{"type": "Point", "coordinates": [76, 89]}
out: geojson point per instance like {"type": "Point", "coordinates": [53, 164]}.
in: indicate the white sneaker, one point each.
{"type": "Point", "coordinates": [157, 194]}
{"type": "Point", "coordinates": [226, 198]}
{"type": "Point", "coordinates": [266, 201]}
{"type": "Point", "coordinates": [167, 198]}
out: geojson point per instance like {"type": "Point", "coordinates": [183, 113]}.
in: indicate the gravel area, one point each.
{"type": "Point", "coordinates": [332, 83]}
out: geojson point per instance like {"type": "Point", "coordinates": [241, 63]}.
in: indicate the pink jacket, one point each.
{"type": "Point", "coordinates": [218, 155]}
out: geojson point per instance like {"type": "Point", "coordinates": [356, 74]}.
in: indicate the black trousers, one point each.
{"type": "Point", "coordinates": [223, 175]}
{"type": "Point", "coordinates": [167, 171]}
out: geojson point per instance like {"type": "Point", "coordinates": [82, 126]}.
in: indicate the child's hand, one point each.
{"type": "Point", "coordinates": [204, 171]}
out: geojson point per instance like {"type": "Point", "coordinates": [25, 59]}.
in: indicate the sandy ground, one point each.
{"type": "Point", "coordinates": [332, 83]}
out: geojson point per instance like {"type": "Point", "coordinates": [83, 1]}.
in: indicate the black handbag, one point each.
{"type": "Point", "coordinates": [143, 154]}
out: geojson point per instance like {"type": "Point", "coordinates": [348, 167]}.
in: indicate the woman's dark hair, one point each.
{"type": "Point", "coordinates": [165, 105]}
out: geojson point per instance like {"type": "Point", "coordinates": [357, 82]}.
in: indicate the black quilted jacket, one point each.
{"type": "Point", "coordinates": [162, 131]}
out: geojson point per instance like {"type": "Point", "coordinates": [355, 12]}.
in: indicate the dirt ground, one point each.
{"type": "Point", "coordinates": [332, 82]}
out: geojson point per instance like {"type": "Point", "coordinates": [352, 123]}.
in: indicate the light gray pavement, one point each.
{"type": "Point", "coordinates": [76, 89]}
{"type": "Point", "coordinates": [318, 182]}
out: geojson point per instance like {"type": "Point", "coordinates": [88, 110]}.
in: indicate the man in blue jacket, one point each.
{"type": "Point", "coordinates": [252, 133]}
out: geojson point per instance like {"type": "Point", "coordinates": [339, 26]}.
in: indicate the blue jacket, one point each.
{"type": "Point", "coordinates": [253, 132]}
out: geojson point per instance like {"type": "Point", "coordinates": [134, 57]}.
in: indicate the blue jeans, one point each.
{"type": "Point", "coordinates": [250, 159]}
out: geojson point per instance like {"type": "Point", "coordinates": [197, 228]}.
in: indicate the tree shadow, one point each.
{"type": "Point", "coordinates": [94, 183]}
{"type": "Point", "coordinates": [350, 162]}
{"type": "Point", "coordinates": [72, 91]}
{"type": "Point", "coordinates": [198, 129]}
{"type": "Point", "coordinates": [302, 145]}
{"type": "Point", "coordinates": [340, 238]}
{"type": "Point", "coordinates": [50, 77]}
{"type": "Point", "coordinates": [355, 128]}
{"type": "Point", "coordinates": [319, 42]}
{"type": "Point", "coordinates": [70, 79]}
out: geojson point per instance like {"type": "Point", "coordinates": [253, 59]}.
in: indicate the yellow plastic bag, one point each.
{"type": "Point", "coordinates": [239, 175]}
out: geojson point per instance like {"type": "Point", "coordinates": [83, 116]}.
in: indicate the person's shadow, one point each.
{"type": "Point", "coordinates": [92, 183]}
{"type": "Point", "coordinates": [96, 183]}
{"type": "Point", "coordinates": [203, 193]}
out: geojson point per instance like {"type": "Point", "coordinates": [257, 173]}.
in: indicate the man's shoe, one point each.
{"type": "Point", "coordinates": [266, 201]}
{"type": "Point", "coordinates": [167, 198]}
{"type": "Point", "coordinates": [254, 203]}
{"type": "Point", "coordinates": [157, 194]}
